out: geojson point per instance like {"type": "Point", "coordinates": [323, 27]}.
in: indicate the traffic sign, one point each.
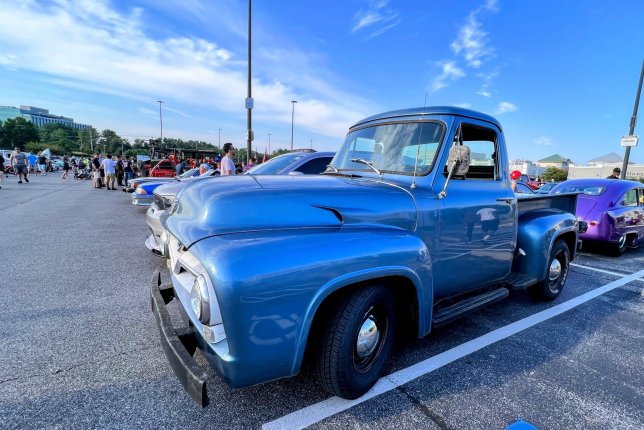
{"type": "Point", "coordinates": [250, 103]}
{"type": "Point", "coordinates": [629, 140]}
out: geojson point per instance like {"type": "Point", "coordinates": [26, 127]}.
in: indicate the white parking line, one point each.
{"type": "Point", "coordinates": [607, 272]}
{"type": "Point", "coordinates": [315, 413]}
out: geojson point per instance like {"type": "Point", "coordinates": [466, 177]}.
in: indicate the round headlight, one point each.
{"type": "Point", "coordinates": [199, 299]}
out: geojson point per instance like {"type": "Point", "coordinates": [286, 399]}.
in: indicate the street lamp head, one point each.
{"type": "Point", "coordinates": [293, 101]}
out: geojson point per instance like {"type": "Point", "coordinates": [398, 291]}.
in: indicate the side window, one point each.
{"type": "Point", "coordinates": [315, 166]}
{"type": "Point", "coordinates": [641, 197]}
{"type": "Point", "coordinates": [630, 198]}
{"type": "Point", "coordinates": [482, 142]}
{"type": "Point", "coordinates": [165, 165]}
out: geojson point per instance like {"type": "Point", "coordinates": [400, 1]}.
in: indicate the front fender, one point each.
{"type": "Point", "coordinates": [270, 284]}
{"type": "Point", "coordinates": [538, 230]}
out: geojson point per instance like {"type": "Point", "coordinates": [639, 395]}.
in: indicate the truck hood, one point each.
{"type": "Point", "coordinates": [258, 203]}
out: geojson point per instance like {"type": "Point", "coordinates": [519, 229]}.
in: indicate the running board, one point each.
{"type": "Point", "coordinates": [457, 310]}
{"type": "Point", "coordinates": [519, 281]}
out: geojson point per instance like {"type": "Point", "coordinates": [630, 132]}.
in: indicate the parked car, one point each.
{"type": "Point", "coordinates": [144, 188]}
{"type": "Point", "coordinates": [293, 163]}
{"type": "Point", "coordinates": [523, 189]}
{"type": "Point", "coordinates": [529, 182]}
{"type": "Point", "coordinates": [134, 183]}
{"type": "Point", "coordinates": [547, 187]}
{"type": "Point", "coordinates": [165, 168]}
{"type": "Point", "coordinates": [613, 209]}
{"type": "Point", "coordinates": [403, 230]}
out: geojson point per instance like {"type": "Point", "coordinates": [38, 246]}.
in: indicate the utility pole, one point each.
{"type": "Point", "coordinates": [249, 99]}
{"type": "Point", "coordinates": [219, 141]}
{"type": "Point", "coordinates": [161, 120]}
{"type": "Point", "coordinates": [633, 122]}
{"type": "Point", "coordinates": [269, 144]}
{"type": "Point", "coordinates": [292, 121]}
{"type": "Point", "coordinates": [91, 142]}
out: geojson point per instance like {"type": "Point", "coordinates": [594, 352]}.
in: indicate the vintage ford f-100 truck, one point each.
{"type": "Point", "coordinates": [413, 224]}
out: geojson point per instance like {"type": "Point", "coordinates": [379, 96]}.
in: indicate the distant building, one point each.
{"type": "Point", "coordinates": [555, 160]}
{"type": "Point", "coordinates": [38, 116]}
{"type": "Point", "coordinates": [603, 166]}
{"type": "Point", "coordinates": [527, 167]}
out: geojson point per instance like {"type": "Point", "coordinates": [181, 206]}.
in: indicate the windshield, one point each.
{"type": "Point", "coordinates": [589, 190]}
{"type": "Point", "coordinates": [392, 148]}
{"type": "Point", "coordinates": [189, 173]}
{"type": "Point", "coordinates": [276, 165]}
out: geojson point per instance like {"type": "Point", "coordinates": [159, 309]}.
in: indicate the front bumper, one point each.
{"type": "Point", "coordinates": [178, 345]}
{"type": "Point", "coordinates": [142, 199]}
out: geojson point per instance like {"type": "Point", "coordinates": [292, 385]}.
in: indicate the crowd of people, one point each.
{"type": "Point", "coordinates": [111, 171]}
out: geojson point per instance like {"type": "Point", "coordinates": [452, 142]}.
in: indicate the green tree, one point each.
{"type": "Point", "coordinates": [18, 132]}
{"type": "Point", "coordinates": [555, 174]}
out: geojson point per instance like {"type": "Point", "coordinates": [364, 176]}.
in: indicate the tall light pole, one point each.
{"type": "Point", "coordinates": [161, 120]}
{"type": "Point", "coordinates": [633, 122]}
{"type": "Point", "coordinates": [219, 141]}
{"type": "Point", "coordinates": [269, 144]}
{"type": "Point", "coordinates": [292, 120]}
{"type": "Point", "coordinates": [249, 99]}
{"type": "Point", "coordinates": [311, 143]}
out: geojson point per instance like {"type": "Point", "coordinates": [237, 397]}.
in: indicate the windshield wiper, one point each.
{"type": "Point", "coordinates": [365, 162]}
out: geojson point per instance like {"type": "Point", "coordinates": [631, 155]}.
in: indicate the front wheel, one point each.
{"type": "Point", "coordinates": [556, 275]}
{"type": "Point", "coordinates": [357, 342]}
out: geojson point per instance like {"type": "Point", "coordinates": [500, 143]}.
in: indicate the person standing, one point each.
{"type": "Point", "coordinates": [20, 164]}
{"type": "Point", "coordinates": [119, 171]}
{"type": "Point", "coordinates": [42, 164]}
{"type": "Point", "coordinates": [128, 172]}
{"type": "Point", "coordinates": [109, 167]}
{"type": "Point", "coordinates": [227, 163]}
{"type": "Point", "coordinates": [615, 175]}
{"type": "Point", "coordinates": [2, 170]}
{"type": "Point", "coordinates": [180, 167]}
{"type": "Point", "coordinates": [250, 165]}
{"type": "Point", "coordinates": [96, 174]}
{"type": "Point", "coordinates": [33, 158]}
{"type": "Point", "coordinates": [66, 167]}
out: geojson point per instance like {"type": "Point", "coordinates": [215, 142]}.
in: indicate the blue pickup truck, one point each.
{"type": "Point", "coordinates": [413, 225]}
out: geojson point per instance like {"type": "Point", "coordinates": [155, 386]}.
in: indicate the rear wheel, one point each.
{"type": "Point", "coordinates": [557, 273]}
{"type": "Point", "coordinates": [619, 247]}
{"type": "Point", "coordinates": [357, 342]}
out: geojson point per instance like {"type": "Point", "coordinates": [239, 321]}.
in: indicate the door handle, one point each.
{"type": "Point", "coordinates": [508, 200]}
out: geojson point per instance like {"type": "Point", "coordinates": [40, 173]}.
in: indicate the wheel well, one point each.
{"type": "Point", "coordinates": [571, 240]}
{"type": "Point", "coordinates": [403, 290]}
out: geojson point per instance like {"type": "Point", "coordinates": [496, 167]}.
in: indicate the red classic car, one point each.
{"type": "Point", "coordinates": [164, 169]}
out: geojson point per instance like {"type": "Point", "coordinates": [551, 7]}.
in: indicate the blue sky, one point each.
{"type": "Point", "coordinates": [560, 76]}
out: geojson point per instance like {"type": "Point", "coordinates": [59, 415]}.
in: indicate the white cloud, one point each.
{"type": "Point", "coordinates": [450, 72]}
{"type": "Point", "coordinates": [505, 107]}
{"type": "Point", "coordinates": [472, 42]}
{"type": "Point", "coordinates": [376, 13]}
{"type": "Point", "coordinates": [543, 140]}
{"type": "Point", "coordinates": [110, 53]}
{"type": "Point", "coordinates": [464, 105]}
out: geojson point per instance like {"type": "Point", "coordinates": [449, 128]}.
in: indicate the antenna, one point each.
{"type": "Point", "coordinates": [413, 181]}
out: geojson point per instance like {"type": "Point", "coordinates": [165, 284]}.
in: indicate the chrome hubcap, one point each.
{"type": "Point", "coordinates": [555, 269]}
{"type": "Point", "coordinates": [622, 241]}
{"type": "Point", "coordinates": [367, 337]}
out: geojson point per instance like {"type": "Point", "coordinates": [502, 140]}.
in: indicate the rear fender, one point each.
{"type": "Point", "coordinates": [537, 233]}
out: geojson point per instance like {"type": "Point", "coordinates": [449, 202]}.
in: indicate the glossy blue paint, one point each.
{"type": "Point", "coordinates": [276, 247]}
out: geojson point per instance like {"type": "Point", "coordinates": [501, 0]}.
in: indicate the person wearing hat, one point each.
{"type": "Point", "coordinates": [615, 175]}
{"type": "Point", "coordinates": [227, 163]}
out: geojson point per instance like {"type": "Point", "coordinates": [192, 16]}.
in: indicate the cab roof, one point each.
{"type": "Point", "coordinates": [430, 110]}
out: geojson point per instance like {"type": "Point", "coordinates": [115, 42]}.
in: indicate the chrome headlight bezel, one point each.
{"type": "Point", "coordinates": [200, 299]}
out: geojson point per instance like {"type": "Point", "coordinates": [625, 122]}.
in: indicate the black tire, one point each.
{"type": "Point", "coordinates": [618, 248]}
{"type": "Point", "coordinates": [551, 287]}
{"type": "Point", "coordinates": [342, 369]}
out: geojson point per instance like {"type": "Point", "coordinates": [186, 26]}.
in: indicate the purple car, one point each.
{"type": "Point", "coordinates": [613, 209]}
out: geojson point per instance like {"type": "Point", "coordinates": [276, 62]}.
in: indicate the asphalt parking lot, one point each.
{"type": "Point", "coordinates": [80, 347]}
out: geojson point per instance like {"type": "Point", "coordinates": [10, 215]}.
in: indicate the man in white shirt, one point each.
{"type": "Point", "coordinates": [109, 167]}
{"type": "Point", "coordinates": [227, 164]}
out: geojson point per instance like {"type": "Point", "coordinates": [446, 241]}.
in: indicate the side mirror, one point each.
{"type": "Point", "coordinates": [458, 160]}
{"type": "Point", "coordinates": [458, 163]}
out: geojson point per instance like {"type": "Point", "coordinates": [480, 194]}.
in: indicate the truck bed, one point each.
{"type": "Point", "coordinates": [531, 202]}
